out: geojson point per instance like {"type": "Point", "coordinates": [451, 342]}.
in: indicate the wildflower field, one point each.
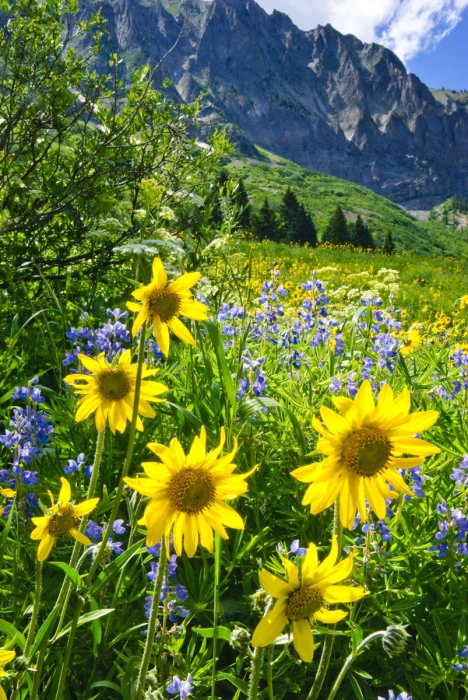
{"type": "Point", "coordinates": [243, 480]}
{"type": "Point", "coordinates": [228, 469]}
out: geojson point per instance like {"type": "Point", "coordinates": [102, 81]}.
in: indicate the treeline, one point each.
{"type": "Point", "coordinates": [292, 223]}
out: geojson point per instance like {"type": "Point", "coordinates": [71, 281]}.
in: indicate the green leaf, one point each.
{"type": "Point", "coordinates": [96, 628]}
{"type": "Point", "coordinates": [210, 632]}
{"type": "Point", "coordinates": [11, 631]}
{"type": "Point", "coordinates": [6, 531]}
{"type": "Point", "coordinates": [444, 640]}
{"type": "Point", "coordinates": [72, 574]}
{"type": "Point", "coordinates": [356, 687]}
{"type": "Point", "coordinates": [44, 630]}
{"type": "Point", "coordinates": [238, 683]}
{"type": "Point", "coordinates": [427, 641]}
{"type": "Point", "coordinates": [191, 417]}
{"type": "Point", "coordinates": [108, 684]}
{"type": "Point", "coordinates": [224, 371]}
{"type": "Point", "coordinates": [115, 567]}
{"type": "Point", "coordinates": [84, 619]}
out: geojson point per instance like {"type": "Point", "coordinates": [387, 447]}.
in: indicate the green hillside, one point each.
{"type": "Point", "coordinates": [270, 175]}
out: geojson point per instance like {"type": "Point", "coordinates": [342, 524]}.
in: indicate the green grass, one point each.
{"type": "Point", "coordinates": [271, 175]}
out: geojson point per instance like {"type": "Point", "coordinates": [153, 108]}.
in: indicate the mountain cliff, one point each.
{"type": "Point", "coordinates": [324, 100]}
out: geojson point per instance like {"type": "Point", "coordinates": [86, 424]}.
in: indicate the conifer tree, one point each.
{"type": "Point", "coordinates": [336, 232]}
{"type": "Point", "coordinates": [295, 222]}
{"type": "Point", "coordinates": [360, 236]}
{"type": "Point", "coordinates": [241, 200]}
{"type": "Point", "coordinates": [389, 246]}
{"type": "Point", "coordinates": [265, 223]}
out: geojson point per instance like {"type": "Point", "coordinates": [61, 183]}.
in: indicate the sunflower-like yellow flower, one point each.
{"type": "Point", "coordinates": [411, 341]}
{"type": "Point", "coordinates": [5, 657]}
{"type": "Point", "coordinates": [162, 303]}
{"type": "Point", "coordinates": [110, 391]}
{"type": "Point", "coordinates": [62, 520]}
{"type": "Point", "coordinates": [301, 600]}
{"type": "Point", "coordinates": [189, 493]}
{"type": "Point", "coordinates": [6, 493]}
{"type": "Point", "coordinates": [363, 445]}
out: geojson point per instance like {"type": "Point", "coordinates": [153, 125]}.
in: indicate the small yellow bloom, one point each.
{"type": "Point", "coordinates": [364, 445]}
{"type": "Point", "coordinates": [411, 341]}
{"type": "Point", "coordinates": [7, 493]}
{"type": "Point", "coordinates": [162, 303]}
{"type": "Point", "coordinates": [62, 520]}
{"type": "Point", "coordinates": [110, 391]}
{"type": "Point", "coordinates": [189, 493]}
{"type": "Point", "coordinates": [301, 600]}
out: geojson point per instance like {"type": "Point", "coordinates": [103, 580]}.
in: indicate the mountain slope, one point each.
{"type": "Point", "coordinates": [268, 176]}
{"type": "Point", "coordinates": [324, 100]}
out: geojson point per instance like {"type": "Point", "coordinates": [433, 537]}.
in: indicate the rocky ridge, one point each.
{"type": "Point", "coordinates": [324, 100]}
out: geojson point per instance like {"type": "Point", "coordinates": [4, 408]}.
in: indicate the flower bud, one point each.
{"type": "Point", "coordinates": [20, 664]}
{"type": "Point", "coordinates": [240, 639]}
{"type": "Point", "coordinates": [394, 639]}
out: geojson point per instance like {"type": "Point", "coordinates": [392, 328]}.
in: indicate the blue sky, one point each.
{"type": "Point", "coordinates": [447, 65]}
{"type": "Point", "coordinates": [430, 36]}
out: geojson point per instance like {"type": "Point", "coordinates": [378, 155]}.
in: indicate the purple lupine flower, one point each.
{"type": "Point", "coordinates": [118, 527]}
{"type": "Point", "coordinates": [296, 549]}
{"type": "Point", "coordinates": [93, 531]}
{"type": "Point", "coordinates": [401, 696]}
{"type": "Point", "coordinates": [178, 686]}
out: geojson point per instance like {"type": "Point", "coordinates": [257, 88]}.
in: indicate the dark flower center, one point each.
{"type": "Point", "coordinates": [63, 521]}
{"type": "Point", "coordinates": [367, 451]}
{"type": "Point", "coordinates": [304, 603]}
{"type": "Point", "coordinates": [164, 304]}
{"type": "Point", "coordinates": [192, 490]}
{"type": "Point", "coordinates": [113, 384]}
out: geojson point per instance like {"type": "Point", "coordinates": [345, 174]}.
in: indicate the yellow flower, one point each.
{"type": "Point", "coordinates": [411, 340]}
{"type": "Point", "coordinates": [5, 657]}
{"type": "Point", "coordinates": [62, 520]}
{"type": "Point", "coordinates": [189, 492]}
{"type": "Point", "coordinates": [162, 303]}
{"type": "Point", "coordinates": [301, 600]}
{"type": "Point", "coordinates": [363, 447]}
{"type": "Point", "coordinates": [110, 391]}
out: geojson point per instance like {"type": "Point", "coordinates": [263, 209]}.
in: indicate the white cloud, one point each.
{"type": "Point", "coordinates": [405, 26]}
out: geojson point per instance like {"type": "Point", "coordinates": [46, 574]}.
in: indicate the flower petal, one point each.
{"type": "Point", "coordinates": [343, 594]}
{"type": "Point", "coordinates": [65, 493]}
{"type": "Point", "coordinates": [303, 640]}
{"type": "Point", "coordinates": [330, 617]}
{"type": "Point", "coordinates": [270, 626]}
{"type": "Point", "coordinates": [273, 585]}
{"type": "Point", "coordinates": [44, 548]}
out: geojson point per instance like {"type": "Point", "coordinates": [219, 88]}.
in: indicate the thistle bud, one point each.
{"type": "Point", "coordinates": [20, 664]}
{"type": "Point", "coordinates": [260, 600]}
{"type": "Point", "coordinates": [394, 639]}
{"type": "Point", "coordinates": [240, 639]}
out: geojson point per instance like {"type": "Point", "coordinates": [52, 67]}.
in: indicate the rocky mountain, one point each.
{"type": "Point", "coordinates": [324, 100]}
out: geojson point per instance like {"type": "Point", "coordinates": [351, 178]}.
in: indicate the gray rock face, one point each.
{"type": "Point", "coordinates": [324, 100]}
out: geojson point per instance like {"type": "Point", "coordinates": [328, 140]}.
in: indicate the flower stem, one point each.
{"type": "Point", "coordinates": [127, 463]}
{"type": "Point", "coordinates": [35, 612]}
{"type": "Point", "coordinates": [255, 668]}
{"type": "Point", "coordinates": [65, 591]}
{"type": "Point", "coordinates": [217, 562]}
{"type": "Point", "coordinates": [115, 509]}
{"type": "Point", "coordinates": [270, 673]}
{"type": "Point", "coordinates": [256, 665]}
{"type": "Point", "coordinates": [330, 638]}
{"type": "Point", "coordinates": [350, 660]}
{"type": "Point", "coordinates": [140, 685]}
{"type": "Point", "coordinates": [32, 624]}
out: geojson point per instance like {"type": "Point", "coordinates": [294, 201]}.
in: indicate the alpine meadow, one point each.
{"type": "Point", "coordinates": [233, 402]}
